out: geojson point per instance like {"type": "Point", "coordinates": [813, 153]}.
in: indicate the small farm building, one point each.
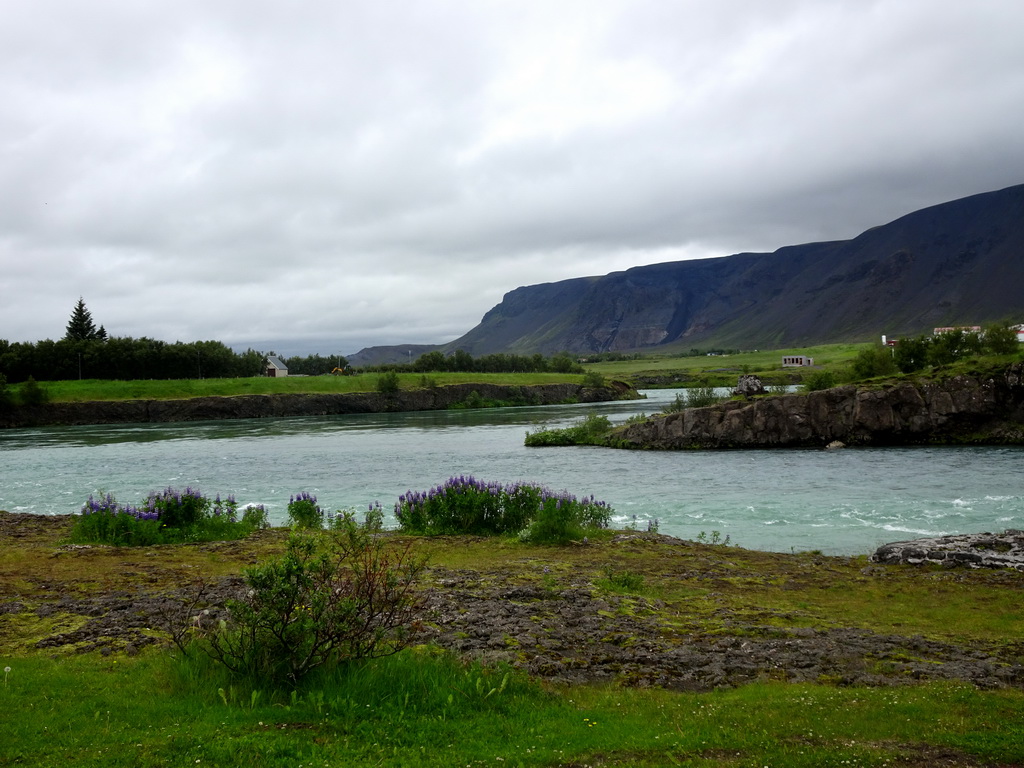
{"type": "Point", "coordinates": [797, 361]}
{"type": "Point", "coordinates": [276, 368]}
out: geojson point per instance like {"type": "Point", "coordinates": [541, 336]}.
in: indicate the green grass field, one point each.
{"type": "Point", "coordinates": [421, 710]}
{"type": "Point", "coordinates": [725, 368]}
{"type": "Point", "coordinates": [97, 389]}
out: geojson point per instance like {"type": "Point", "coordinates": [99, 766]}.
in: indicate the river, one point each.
{"type": "Point", "coordinates": [840, 502]}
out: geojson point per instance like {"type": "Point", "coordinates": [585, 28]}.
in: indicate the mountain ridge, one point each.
{"type": "Point", "coordinates": [960, 262]}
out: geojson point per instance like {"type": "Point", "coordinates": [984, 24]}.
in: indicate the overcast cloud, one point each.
{"type": "Point", "coordinates": [332, 175]}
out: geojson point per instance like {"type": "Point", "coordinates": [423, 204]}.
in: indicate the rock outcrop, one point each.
{"type": "Point", "coordinates": [278, 405]}
{"type": "Point", "coordinates": [749, 386]}
{"type": "Point", "coordinates": [972, 550]}
{"type": "Point", "coordinates": [984, 408]}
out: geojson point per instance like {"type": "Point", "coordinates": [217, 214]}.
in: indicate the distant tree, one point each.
{"type": "Point", "coordinates": [1001, 339]}
{"type": "Point", "coordinates": [81, 327]}
{"type": "Point", "coordinates": [6, 399]}
{"type": "Point", "coordinates": [950, 346]}
{"type": "Point", "coordinates": [874, 361]}
{"type": "Point", "coordinates": [32, 393]}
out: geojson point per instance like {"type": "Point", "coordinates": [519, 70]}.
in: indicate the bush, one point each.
{"type": "Point", "coordinates": [562, 518]}
{"type": "Point", "coordinates": [33, 394]}
{"type": "Point", "coordinates": [819, 380]}
{"type": "Point", "coordinates": [167, 517]}
{"type": "Point", "coordinates": [593, 379]}
{"type": "Point", "coordinates": [874, 361]}
{"type": "Point", "coordinates": [387, 383]}
{"type": "Point", "coordinates": [695, 397]}
{"type": "Point", "coordinates": [464, 505]}
{"type": "Point", "coordinates": [329, 599]}
{"type": "Point", "coordinates": [590, 430]}
{"type": "Point", "coordinates": [1001, 339]}
{"type": "Point", "coordinates": [6, 397]}
{"type": "Point", "coordinates": [304, 512]}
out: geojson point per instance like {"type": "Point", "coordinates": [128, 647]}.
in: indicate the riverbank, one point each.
{"type": "Point", "coordinates": [472, 395]}
{"type": "Point", "coordinates": [636, 609]}
{"type": "Point", "coordinates": [976, 408]}
{"type": "Point", "coordinates": [640, 650]}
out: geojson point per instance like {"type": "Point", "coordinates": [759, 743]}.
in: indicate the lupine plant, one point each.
{"type": "Point", "coordinates": [465, 505]}
{"type": "Point", "coordinates": [168, 516]}
{"type": "Point", "coordinates": [304, 512]}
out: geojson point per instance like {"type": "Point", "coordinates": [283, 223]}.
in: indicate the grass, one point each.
{"type": "Point", "coordinates": [426, 708]}
{"type": "Point", "coordinates": [176, 389]}
{"type": "Point", "coordinates": [722, 370]}
{"type": "Point", "coordinates": [419, 709]}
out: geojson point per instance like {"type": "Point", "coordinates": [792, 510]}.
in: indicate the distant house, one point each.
{"type": "Point", "coordinates": [797, 361]}
{"type": "Point", "coordinates": [950, 329]}
{"type": "Point", "coordinates": [276, 368]}
{"type": "Point", "coordinates": [1020, 332]}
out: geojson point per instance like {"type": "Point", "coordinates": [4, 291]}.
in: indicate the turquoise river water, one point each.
{"type": "Point", "coordinates": [841, 502]}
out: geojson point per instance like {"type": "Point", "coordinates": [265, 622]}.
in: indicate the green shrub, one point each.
{"type": "Point", "coordinates": [621, 581]}
{"type": "Point", "coordinates": [255, 517]}
{"type": "Point", "coordinates": [874, 361]}
{"type": "Point", "coordinates": [304, 512]}
{"type": "Point", "coordinates": [373, 519]}
{"type": "Point", "coordinates": [593, 379]}
{"type": "Point", "coordinates": [329, 599]}
{"type": "Point", "coordinates": [1001, 339]}
{"type": "Point", "coordinates": [590, 430]}
{"type": "Point", "coordinates": [819, 380]}
{"type": "Point", "coordinates": [465, 505]}
{"type": "Point", "coordinates": [561, 518]}
{"type": "Point", "coordinates": [32, 394]}
{"type": "Point", "coordinates": [6, 395]}
{"type": "Point", "coordinates": [695, 397]}
{"type": "Point", "coordinates": [387, 383]}
{"type": "Point", "coordinates": [701, 397]}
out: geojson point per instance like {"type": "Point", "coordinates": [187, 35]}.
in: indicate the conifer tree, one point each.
{"type": "Point", "coordinates": [81, 326]}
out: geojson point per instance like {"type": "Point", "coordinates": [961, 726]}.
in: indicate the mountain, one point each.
{"type": "Point", "coordinates": [956, 263]}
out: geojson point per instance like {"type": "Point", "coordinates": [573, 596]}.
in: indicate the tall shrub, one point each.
{"type": "Point", "coordinates": [330, 598]}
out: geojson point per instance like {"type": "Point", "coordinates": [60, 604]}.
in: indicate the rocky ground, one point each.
{"type": "Point", "coordinates": [555, 613]}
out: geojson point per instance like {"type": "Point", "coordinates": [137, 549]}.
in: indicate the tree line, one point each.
{"type": "Point", "coordinates": [461, 361]}
{"type": "Point", "coordinates": [916, 353]}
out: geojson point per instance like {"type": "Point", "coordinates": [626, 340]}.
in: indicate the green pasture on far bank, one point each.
{"type": "Point", "coordinates": [722, 370]}
{"type": "Point", "coordinates": [178, 389]}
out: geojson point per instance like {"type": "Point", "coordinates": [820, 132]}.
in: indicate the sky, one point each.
{"type": "Point", "coordinates": [324, 176]}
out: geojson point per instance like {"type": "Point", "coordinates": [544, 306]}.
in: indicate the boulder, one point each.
{"type": "Point", "coordinates": [748, 386]}
{"type": "Point", "coordinates": [972, 550]}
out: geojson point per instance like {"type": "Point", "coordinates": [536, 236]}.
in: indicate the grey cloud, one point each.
{"type": "Point", "coordinates": [377, 172]}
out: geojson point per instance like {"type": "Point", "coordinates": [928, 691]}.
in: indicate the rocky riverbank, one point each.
{"type": "Point", "coordinates": [982, 408]}
{"type": "Point", "coordinates": [280, 405]}
{"type": "Point", "coordinates": [972, 550]}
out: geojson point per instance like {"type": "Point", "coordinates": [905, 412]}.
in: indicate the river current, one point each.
{"type": "Point", "coordinates": [845, 501]}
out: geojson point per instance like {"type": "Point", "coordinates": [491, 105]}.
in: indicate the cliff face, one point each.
{"type": "Point", "coordinates": [983, 409]}
{"type": "Point", "coordinates": [958, 263]}
{"type": "Point", "coordinates": [265, 406]}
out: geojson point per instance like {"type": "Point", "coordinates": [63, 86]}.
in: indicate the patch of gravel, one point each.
{"type": "Point", "coordinates": [574, 636]}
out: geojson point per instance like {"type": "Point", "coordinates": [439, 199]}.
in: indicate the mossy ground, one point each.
{"type": "Point", "coordinates": [602, 613]}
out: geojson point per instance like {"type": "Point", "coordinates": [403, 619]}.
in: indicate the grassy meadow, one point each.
{"type": "Point", "coordinates": [719, 370]}
{"type": "Point", "coordinates": [722, 370]}
{"type": "Point", "coordinates": [176, 389]}
{"type": "Point", "coordinates": [426, 707]}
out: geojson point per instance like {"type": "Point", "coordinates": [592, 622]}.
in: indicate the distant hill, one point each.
{"type": "Point", "coordinates": [956, 263]}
